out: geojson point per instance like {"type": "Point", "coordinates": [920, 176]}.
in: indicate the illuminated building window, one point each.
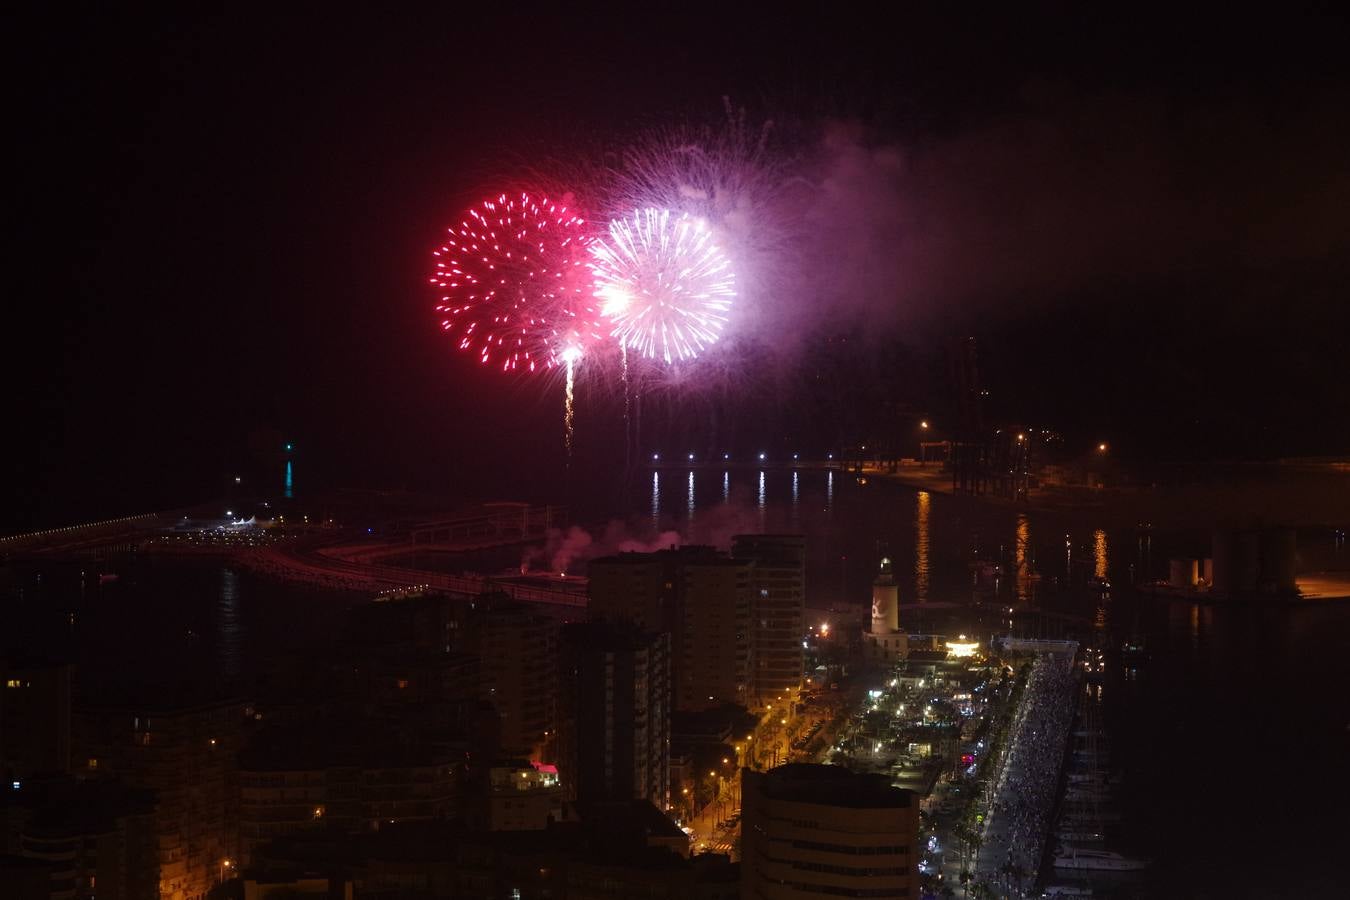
{"type": "Point", "coordinates": [93, 763]}
{"type": "Point", "coordinates": [402, 683]}
{"type": "Point", "coordinates": [13, 682]}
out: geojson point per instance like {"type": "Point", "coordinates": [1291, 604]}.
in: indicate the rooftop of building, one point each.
{"type": "Point", "coordinates": [28, 662]}
{"type": "Point", "coordinates": [339, 743]}
{"type": "Point", "coordinates": [607, 635]}
{"type": "Point", "coordinates": [922, 656]}
{"type": "Point", "coordinates": [164, 700]}
{"type": "Point", "coordinates": [605, 833]}
{"type": "Point", "coordinates": [716, 723]}
{"type": "Point", "coordinates": [770, 549]}
{"type": "Point", "coordinates": [832, 786]}
{"type": "Point", "coordinates": [630, 818]}
{"type": "Point", "coordinates": [63, 805]}
{"type": "Point", "coordinates": [701, 554]}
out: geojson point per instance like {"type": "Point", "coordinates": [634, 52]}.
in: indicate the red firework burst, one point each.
{"type": "Point", "coordinates": [516, 287]}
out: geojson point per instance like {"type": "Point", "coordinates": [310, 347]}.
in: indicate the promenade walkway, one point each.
{"type": "Point", "coordinates": [1018, 824]}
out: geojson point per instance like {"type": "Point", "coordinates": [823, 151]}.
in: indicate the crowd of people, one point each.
{"type": "Point", "coordinates": [1026, 787]}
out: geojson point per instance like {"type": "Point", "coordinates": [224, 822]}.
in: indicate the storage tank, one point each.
{"type": "Point", "coordinates": [1183, 573]}
{"type": "Point", "coordinates": [1256, 561]}
{"type": "Point", "coordinates": [1237, 562]}
{"type": "Point", "coordinates": [1278, 551]}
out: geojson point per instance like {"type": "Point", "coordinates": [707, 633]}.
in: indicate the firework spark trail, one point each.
{"type": "Point", "coordinates": [516, 282]}
{"type": "Point", "coordinates": [627, 419]}
{"type": "Point", "coordinates": [663, 283]}
{"type": "Point", "coordinates": [569, 407]}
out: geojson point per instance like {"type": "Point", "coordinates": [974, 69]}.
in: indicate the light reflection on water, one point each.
{"type": "Point", "coordinates": [1021, 557]}
{"type": "Point", "coordinates": [1099, 554]}
{"type": "Point", "coordinates": [288, 486]}
{"type": "Point", "coordinates": [941, 535]}
{"type": "Point", "coordinates": [922, 501]}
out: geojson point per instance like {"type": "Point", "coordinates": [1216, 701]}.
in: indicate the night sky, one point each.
{"type": "Point", "coordinates": [224, 220]}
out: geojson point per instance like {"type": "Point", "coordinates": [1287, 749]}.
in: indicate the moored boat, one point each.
{"type": "Point", "coordinates": [1103, 860]}
{"type": "Point", "coordinates": [1081, 836]}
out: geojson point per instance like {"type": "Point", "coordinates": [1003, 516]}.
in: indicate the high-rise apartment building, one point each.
{"type": "Point", "coordinates": [95, 835]}
{"type": "Point", "coordinates": [777, 610]}
{"type": "Point", "coordinates": [811, 831]}
{"type": "Point", "coordinates": [614, 713]}
{"type": "Point", "coordinates": [702, 598]}
{"type": "Point", "coordinates": [189, 756]}
{"type": "Point", "coordinates": [517, 664]}
{"type": "Point", "coordinates": [34, 717]}
{"type": "Point", "coordinates": [347, 775]}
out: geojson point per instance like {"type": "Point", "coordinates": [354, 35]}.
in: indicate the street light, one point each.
{"type": "Point", "coordinates": [924, 424]}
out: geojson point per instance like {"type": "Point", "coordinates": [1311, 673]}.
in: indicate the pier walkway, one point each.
{"type": "Point", "coordinates": [314, 566]}
{"type": "Point", "coordinates": [1019, 821]}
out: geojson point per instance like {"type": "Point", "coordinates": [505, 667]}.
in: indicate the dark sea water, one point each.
{"type": "Point", "coordinates": [1231, 735]}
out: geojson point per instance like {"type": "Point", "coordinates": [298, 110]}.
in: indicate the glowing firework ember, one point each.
{"type": "Point", "coordinates": [516, 284]}
{"type": "Point", "coordinates": [570, 357]}
{"type": "Point", "coordinates": [663, 283]}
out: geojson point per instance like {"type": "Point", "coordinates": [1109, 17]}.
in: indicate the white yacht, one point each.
{"type": "Point", "coordinates": [1081, 833]}
{"type": "Point", "coordinates": [1081, 858]}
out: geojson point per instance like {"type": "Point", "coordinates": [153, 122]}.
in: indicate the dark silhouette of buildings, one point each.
{"type": "Point", "coordinates": [188, 755]}
{"type": "Point", "coordinates": [34, 717]}
{"type": "Point", "coordinates": [614, 713]}
{"type": "Point", "coordinates": [344, 774]}
{"type": "Point", "coordinates": [517, 653]}
{"type": "Point", "coordinates": [93, 838]}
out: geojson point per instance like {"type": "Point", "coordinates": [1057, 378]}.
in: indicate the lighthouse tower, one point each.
{"type": "Point", "coordinates": [885, 600]}
{"type": "Point", "coordinates": [884, 641]}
